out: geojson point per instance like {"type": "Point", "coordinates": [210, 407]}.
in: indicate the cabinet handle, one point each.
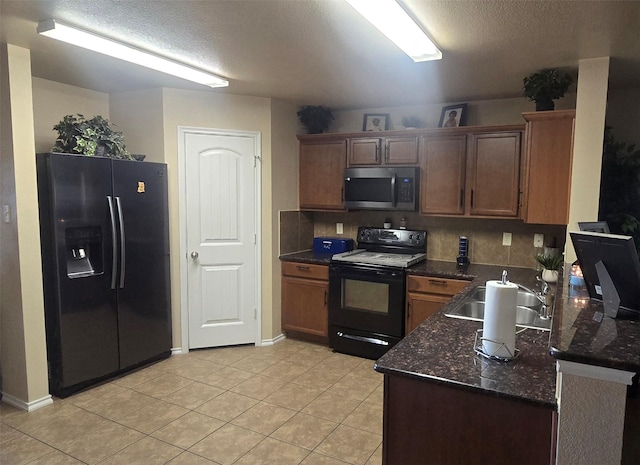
{"type": "Point", "coordinates": [438, 282]}
{"type": "Point", "coordinates": [471, 198]}
{"type": "Point", "coordinates": [386, 153]}
{"type": "Point", "coordinates": [302, 268]}
{"type": "Point", "coordinates": [408, 310]}
{"type": "Point", "coordinates": [326, 297]}
{"type": "Point", "coordinates": [461, 198]}
{"type": "Point", "coordinates": [377, 153]}
{"type": "Point", "coordinates": [519, 198]}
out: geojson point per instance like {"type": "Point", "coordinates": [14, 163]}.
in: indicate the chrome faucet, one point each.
{"type": "Point", "coordinates": [543, 296]}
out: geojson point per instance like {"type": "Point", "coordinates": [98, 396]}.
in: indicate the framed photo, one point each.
{"type": "Point", "coordinates": [453, 116]}
{"type": "Point", "coordinates": [375, 122]}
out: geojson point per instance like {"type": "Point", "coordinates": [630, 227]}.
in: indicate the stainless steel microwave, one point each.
{"type": "Point", "coordinates": [382, 188]}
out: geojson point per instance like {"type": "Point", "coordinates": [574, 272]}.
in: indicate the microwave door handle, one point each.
{"type": "Point", "coordinates": [393, 189]}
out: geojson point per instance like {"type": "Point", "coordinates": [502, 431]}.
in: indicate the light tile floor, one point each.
{"type": "Point", "coordinates": [290, 403]}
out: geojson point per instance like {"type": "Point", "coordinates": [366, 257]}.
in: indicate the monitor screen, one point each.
{"type": "Point", "coordinates": [594, 226]}
{"type": "Point", "coordinates": [619, 256]}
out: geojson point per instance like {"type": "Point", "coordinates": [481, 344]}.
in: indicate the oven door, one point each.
{"type": "Point", "coordinates": [366, 308]}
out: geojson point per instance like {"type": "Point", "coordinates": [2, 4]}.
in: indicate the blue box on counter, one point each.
{"type": "Point", "coordinates": [331, 245]}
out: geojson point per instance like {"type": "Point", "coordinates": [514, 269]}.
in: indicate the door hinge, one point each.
{"type": "Point", "coordinates": [255, 313]}
{"type": "Point", "coordinates": [255, 238]}
{"type": "Point", "coordinates": [256, 158]}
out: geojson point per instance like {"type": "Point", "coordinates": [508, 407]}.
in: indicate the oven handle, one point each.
{"type": "Point", "coordinates": [370, 340]}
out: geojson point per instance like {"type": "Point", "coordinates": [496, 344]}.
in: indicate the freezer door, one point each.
{"type": "Point", "coordinates": [76, 238]}
{"type": "Point", "coordinates": [144, 313]}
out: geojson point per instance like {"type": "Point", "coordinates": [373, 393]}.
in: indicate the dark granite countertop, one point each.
{"type": "Point", "coordinates": [441, 348]}
{"type": "Point", "coordinates": [306, 256]}
{"type": "Point", "coordinates": [577, 334]}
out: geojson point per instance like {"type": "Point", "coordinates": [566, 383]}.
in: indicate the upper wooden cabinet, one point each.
{"type": "Point", "coordinates": [474, 174]}
{"type": "Point", "coordinates": [398, 150]}
{"type": "Point", "coordinates": [322, 165]}
{"type": "Point", "coordinates": [443, 167]}
{"type": "Point", "coordinates": [494, 167]}
{"type": "Point", "coordinates": [548, 161]}
{"type": "Point", "coordinates": [464, 171]}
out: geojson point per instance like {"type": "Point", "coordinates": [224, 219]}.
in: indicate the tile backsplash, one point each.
{"type": "Point", "coordinates": [485, 235]}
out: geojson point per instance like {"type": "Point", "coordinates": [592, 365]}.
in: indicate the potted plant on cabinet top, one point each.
{"type": "Point", "coordinates": [91, 137]}
{"type": "Point", "coordinates": [315, 118]}
{"type": "Point", "coordinates": [546, 86]}
{"type": "Point", "coordinates": [551, 263]}
{"type": "Point", "coordinates": [413, 122]}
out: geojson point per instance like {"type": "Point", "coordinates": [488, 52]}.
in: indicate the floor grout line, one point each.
{"type": "Point", "coordinates": [344, 368]}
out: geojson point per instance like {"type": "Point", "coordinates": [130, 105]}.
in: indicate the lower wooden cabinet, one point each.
{"type": "Point", "coordinates": [425, 296]}
{"type": "Point", "coordinates": [426, 422]}
{"type": "Point", "coordinates": [305, 292]}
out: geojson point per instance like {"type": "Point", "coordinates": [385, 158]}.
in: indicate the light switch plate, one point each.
{"type": "Point", "coordinates": [339, 228]}
{"type": "Point", "coordinates": [538, 240]}
{"type": "Point", "coordinates": [506, 239]}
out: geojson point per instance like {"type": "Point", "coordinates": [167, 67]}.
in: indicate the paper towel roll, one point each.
{"type": "Point", "coordinates": [500, 319]}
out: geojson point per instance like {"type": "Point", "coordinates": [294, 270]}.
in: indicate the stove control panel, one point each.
{"type": "Point", "coordinates": [391, 237]}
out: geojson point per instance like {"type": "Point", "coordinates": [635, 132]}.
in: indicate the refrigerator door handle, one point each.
{"type": "Point", "coordinates": [122, 245]}
{"type": "Point", "coordinates": [114, 253]}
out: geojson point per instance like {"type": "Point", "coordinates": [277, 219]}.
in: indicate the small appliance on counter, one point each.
{"type": "Point", "coordinates": [331, 245]}
{"type": "Point", "coordinates": [463, 251]}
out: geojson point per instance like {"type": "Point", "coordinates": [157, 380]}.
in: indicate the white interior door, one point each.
{"type": "Point", "coordinates": [222, 220]}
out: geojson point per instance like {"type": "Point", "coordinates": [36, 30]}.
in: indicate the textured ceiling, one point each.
{"type": "Point", "coordinates": [323, 52]}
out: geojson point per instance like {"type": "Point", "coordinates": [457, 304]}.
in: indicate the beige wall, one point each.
{"type": "Point", "coordinates": [23, 345]}
{"type": "Point", "coordinates": [53, 100]}
{"type": "Point", "coordinates": [479, 113]}
{"type": "Point", "coordinates": [591, 107]}
{"type": "Point", "coordinates": [284, 166]}
{"type": "Point", "coordinates": [219, 111]}
{"type": "Point", "coordinates": [138, 115]}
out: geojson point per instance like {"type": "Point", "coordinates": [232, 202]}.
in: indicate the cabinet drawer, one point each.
{"type": "Point", "coordinates": [305, 270]}
{"type": "Point", "coordinates": [433, 285]}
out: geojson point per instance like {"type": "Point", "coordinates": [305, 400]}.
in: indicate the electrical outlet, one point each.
{"type": "Point", "coordinates": [506, 239]}
{"type": "Point", "coordinates": [538, 240]}
{"type": "Point", "coordinates": [339, 228]}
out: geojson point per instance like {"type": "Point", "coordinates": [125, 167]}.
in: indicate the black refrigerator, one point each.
{"type": "Point", "coordinates": [104, 234]}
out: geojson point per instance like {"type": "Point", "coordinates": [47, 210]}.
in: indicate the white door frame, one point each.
{"type": "Point", "coordinates": [184, 254]}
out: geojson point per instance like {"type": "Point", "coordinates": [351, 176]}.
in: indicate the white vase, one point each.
{"type": "Point", "coordinates": [550, 276]}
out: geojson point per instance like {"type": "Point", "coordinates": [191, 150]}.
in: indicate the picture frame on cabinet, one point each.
{"type": "Point", "coordinates": [453, 116]}
{"type": "Point", "coordinates": [375, 122]}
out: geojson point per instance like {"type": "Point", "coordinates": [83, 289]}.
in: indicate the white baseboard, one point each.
{"type": "Point", "coordinates": [178, 351]}
{"type": "Point", "coordinates": [275, 340]}
{"type": "Point", "coordinates": [27, 406]}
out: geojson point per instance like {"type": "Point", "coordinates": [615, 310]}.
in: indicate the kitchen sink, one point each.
{"type": "Point", "coordinates": [527, 311]}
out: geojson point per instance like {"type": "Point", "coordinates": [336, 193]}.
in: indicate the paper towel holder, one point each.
{"type": "Point", "coordinates": [479, 349]}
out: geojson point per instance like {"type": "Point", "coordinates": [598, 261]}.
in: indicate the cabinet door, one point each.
{"type": "Point", "coordinates": [304, 305]}
{"type": "Point", "coordinates": [442, 175]}
{"type": "Point", "coordinates": [494, 184]}
{"type": "Point", "coordinates": [420, 307]}
{"type": "Point", "coordinates": [401, 151]}
{"type": "Point", "coordinates": [365, 151]}
{"type": "Point", "coordinates": [322, 166]}
{"type": "Point", "coordinates": [549, 157]}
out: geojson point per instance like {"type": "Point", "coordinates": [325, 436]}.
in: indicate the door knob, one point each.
{"type": "Point", "coordinates": [194, 254]}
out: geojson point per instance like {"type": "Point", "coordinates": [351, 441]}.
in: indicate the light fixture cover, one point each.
{"type": "Point", "coordinates": [399, 27]}
{"type": "Point", "coordinates": [89, 40]}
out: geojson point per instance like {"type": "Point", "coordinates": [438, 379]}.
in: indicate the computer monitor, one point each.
{"type": "Point", "coordinates": [594, 226]}
{"type": "Point", "coordinates": [619, 256]}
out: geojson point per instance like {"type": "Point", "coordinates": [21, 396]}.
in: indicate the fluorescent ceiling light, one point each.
{"type": "Point", "coordinates": [55, 30]}
{"type": "Point", "coordinates": [397, 25]}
